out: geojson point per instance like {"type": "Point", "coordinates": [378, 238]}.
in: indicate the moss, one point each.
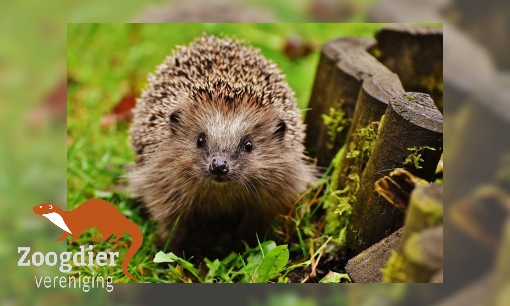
{"type": "Point", "coordinates": [376, 52]}
{"type": "Point", "coordinates": [363, 143]}
{"type": "Point", "coordinates": [413, 250]}
{"type": "Point", "coordinates": [431, 210]}
{"type": "Point", "coordinates": [334, 200]}
{"type": "Point", "coordinates": [394, 272]}
{"type": "Point", "coordinates": [337, 165]}
{"type": "Point", "coordinates": [339, 202]}
{"type": "Point", "coordinates": [381, 122]}
{"type": "Point", "coordinates": [336, 122]}
{"type": "Point", "coordinates": [416, 158]}
{"type": "Point", "coordinates": [431, 83]}
{"type": "Point", "coordinates": [410, 97]}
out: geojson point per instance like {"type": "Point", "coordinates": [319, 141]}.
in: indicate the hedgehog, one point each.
{"type": "Point", "coordinates": [218, 143]}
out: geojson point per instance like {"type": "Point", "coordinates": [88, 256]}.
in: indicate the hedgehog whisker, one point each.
{"type": "Point", "coordinates": [248, 188]}
{"type": "Point", "coordinates": [255, 188]}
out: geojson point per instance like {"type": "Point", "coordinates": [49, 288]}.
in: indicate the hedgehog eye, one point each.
{"type": "Point", "coordinates": [248, 146]}
{"type": "Point", "coordinates": [51, 206]}
{"type": "Point", "coordinates": [201, 141]}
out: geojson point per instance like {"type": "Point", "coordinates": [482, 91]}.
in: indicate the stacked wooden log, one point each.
{"type": "Point", "coordinates": [361, 108]}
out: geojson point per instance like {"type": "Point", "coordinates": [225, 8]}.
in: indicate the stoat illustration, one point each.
{"type": "Point", "coordinates": [94, 213]}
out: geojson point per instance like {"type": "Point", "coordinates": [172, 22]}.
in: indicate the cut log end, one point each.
{"type": "Point", "coordinates": [419, 109]}
{"type": "Point", "coordinates": [383, 87]}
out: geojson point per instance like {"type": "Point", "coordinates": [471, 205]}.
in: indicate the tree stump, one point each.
{"type": "Point", "coordinates": [410, 137]}
{"type": "Point", "coordinates": [415, 54]}
{"type": "Point", "coordinates": [343, 65]}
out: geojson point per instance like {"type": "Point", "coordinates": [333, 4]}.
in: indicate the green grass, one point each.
{"type": "Point", "coordinates": [105, 62]}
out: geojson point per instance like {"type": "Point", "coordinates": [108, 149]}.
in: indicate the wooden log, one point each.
{"type": "Point", "coordinates": [372, 102]}
{"type": "Point", "coordinates": [415, 53]}
{"type": "Point", "coordinates": [410, 137]}
{"type": "Point", "coordinates": [425, 210]}
{"type": "Point", "coordinates": [366, 266]}
{"type": "Point", "coordinates": [343, 65]}
{"type": "Point", "coordinates": [420, 253]}
{"type": "Point", "coordinates": [424, 255]}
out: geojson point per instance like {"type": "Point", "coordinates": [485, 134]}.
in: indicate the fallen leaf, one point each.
{"type": "Point", "coordinates": [334, 277]}
{"type": "Point", "coordinates": [295, 47]}
{"type": "Point", "coordinates": [121, 112]}
{"type": "Point", "coordinates": [397, 187]}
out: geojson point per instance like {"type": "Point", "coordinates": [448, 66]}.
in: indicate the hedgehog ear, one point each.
{"type": "Point", "coordinates": [175, 121]}
{"type": "Point", "coordinates": [281, 127]}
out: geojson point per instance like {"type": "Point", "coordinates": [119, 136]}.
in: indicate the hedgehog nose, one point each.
{"type": "Point", "coordinates": [218, 166]}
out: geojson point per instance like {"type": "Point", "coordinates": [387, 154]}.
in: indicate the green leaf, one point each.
{"type": "Point", "coordinates": [333, 277]}
{"type": "Point", "coordinates": [214, 267]}
{"type": "Point", "coordinates": [250, 272]}
{"type": "Point", "coordinates": [162, 257]}
{"type": "Point", "coordinates": [273, 263]}
{"type": "Point", "coordinates": [186, 264]}
{"type": "Point", "coordinates": [258, 255]}
{"type": "Point", "coordinates": [171, 257]}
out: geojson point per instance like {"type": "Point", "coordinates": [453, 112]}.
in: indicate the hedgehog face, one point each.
{"type": "Point", "coordinates": [230, 144]}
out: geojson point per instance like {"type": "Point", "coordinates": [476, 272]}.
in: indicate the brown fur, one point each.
{"type": "Point", "coordinates": [229, 93]}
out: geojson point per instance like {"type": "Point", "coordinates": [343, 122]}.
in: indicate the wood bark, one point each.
{"type": "Point", "coordinates": [373, 100]}
{"type": "Point", "coordinates": [415, 53]}
{"type": "Point", "coordinates": [411, 130]}
{"type": "Point", "coordinates": [344, 64]}
{"type": "Point", "coordinates": [366, 266]}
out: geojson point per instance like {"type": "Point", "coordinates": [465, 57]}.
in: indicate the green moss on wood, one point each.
{"type": "Point", "coordinates": [336, 122]}
{"type": "Point", "coordinates": [340, 201]}
{"type": "Point", "coordinates": [336, 202]}
{"type": "Point", "coordinates": [394, 271]}
{"type": "Point", "coordinates": [416, 158]}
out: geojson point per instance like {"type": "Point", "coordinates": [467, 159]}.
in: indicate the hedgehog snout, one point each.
{"type": "Point", "coordinates": [218, 166]}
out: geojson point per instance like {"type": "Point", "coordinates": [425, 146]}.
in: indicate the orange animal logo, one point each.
{"type": "Point", "coordinates": [94, 213]}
